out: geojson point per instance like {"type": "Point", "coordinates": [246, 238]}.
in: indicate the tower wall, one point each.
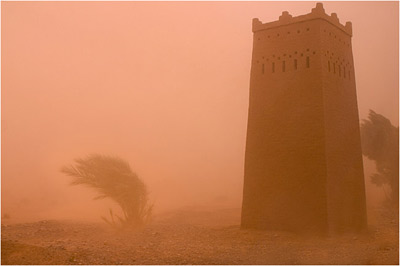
{"type": "Point", "coordinates": [345, 176]}
{"type": "Point", "coordinates": [303, 158]}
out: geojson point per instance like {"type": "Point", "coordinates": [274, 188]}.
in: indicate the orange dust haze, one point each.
{"type": "Point", "coordinates": [163, 85]}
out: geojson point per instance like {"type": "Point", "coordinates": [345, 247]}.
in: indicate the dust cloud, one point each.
{"type": "Point", "coordinates": [163, 85]}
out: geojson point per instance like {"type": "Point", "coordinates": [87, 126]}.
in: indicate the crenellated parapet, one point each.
{"type": "Point", "coordinates": [316, 13]}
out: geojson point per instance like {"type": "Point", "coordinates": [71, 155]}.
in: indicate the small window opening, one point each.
{"type": "Point", "coordinates": [295, 64]}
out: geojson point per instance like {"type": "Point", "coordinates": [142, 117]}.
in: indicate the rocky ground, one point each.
{"type": "Point", "coordinates": [194, 236]}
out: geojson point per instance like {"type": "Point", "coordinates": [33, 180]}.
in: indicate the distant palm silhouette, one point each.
{"type": "Point", "coordinates": [380, 142]}
{"type": "Point", "coordinates": [113, 178]}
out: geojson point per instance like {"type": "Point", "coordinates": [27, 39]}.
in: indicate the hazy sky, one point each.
{"type": "Point", "coordinates": [164, 85]}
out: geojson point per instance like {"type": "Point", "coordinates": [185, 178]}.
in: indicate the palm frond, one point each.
{"type": "Point", "coordinates": [112, 178]}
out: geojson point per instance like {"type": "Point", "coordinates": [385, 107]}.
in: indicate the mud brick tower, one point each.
{"type": "Point", "coordinates": [303, 163]}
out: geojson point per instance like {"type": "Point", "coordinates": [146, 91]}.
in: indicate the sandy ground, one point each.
{"type": "Point", "coordinates": [194, 236]}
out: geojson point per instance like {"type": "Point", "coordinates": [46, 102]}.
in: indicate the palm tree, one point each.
{"type": "Point", "coordinates": [113, 178]}
{"type": "Point", "coordinates": [380, 142]}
